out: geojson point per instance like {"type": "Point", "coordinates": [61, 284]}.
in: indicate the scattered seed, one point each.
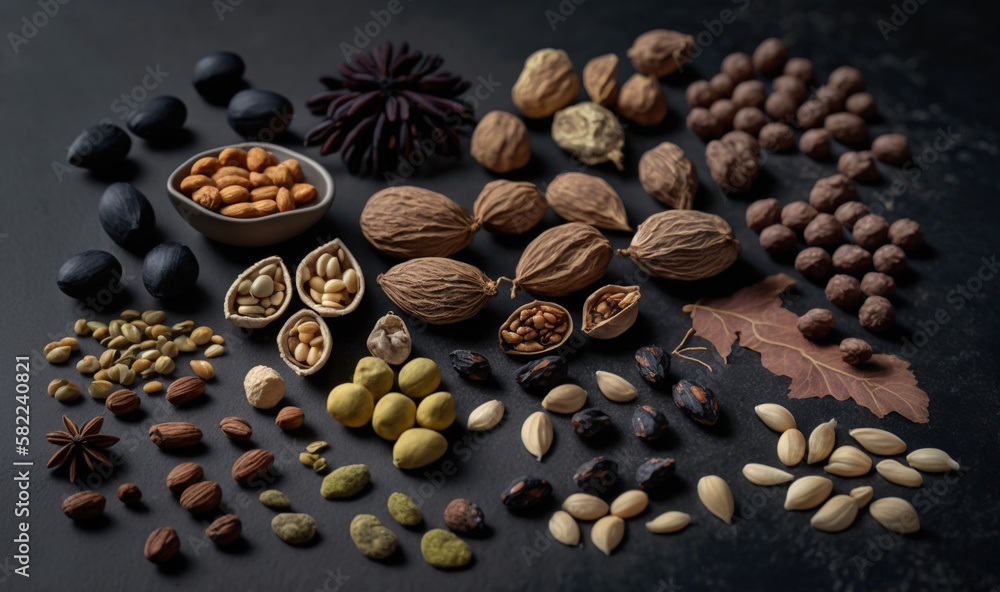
{"type": "Point", "coordinates": [821, 441]}
{"type": "Point", "coordinates": [878, 441]}
{"type": "Point", "coordinates": [608, 533]}
{"type": "Point", "coordinates": [615, 388]}
{"type": "Point", "coordinates": [808, 492]}
{"type": "Point", "coordinates": [765, 475]}
{"type": "Point", "coordinates": [791, 447]}
{"type": "Point", "coordinates": [317, 446]}
{"type": "Point", "coordinates": [215, 350]}
{"type": "Point", "coordinates": [900, 474]}
{"type": "Point", "coordinates": [486, 416]}
{"type": "Point", "coordinates": [629, 504]}
{"type": "Point", "coordinates": [564, 529]}
{"type": "Point", "coordinates": [152, 387]}
{"type": "Point", "coordinates": [895, 514]}
{"type": "Point", "coordinates": [863, 495]}
{"type": "Point", "coordinates": [715, 494]}
{"type": "Point", "coordinates": [932, 460]}
{"type": "Point", "coordinates": [274, 499]}
{"type": "Point", "coordinates": [203, 369]}
{"type": "Point", "coordinates": [848, 461]}
{"type": "Point", "coordinates": [775, 417]}
{"type": "Point", "coordinates": [537, 434]}
{"type": "Point", "coordinates": [584, 506]}
{"type": "Point", "coordinates": [836, 515]}
{"type": "Point", "coordinates": [668, 522]}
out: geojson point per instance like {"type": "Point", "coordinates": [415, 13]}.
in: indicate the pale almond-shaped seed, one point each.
{"type": "Point", "coordinates": [759, 474]}
{"type": "Point", "coordinates": [821, 441]}
{"type": "Point", "coordinates": [899, 474]}
{"type": "Point", "coordinates": [615, 388]}
{"type": "Point", "coordinates": [836, 515]}
{"type": "Point", "coordinates": [203, 369]}
{"type": "Point", "coordinates": [848, 461]}
{"type": "Point", "coordinates": [629, 504]}
{"type": "Point", "coordinates": [791, 447]}
{"type": "Point", "coordinates": [775, 417]}
{"type": "Point", "coordinates": [565, 398]}
{"type": "Point", "coordinates": [895, 514]}
{"type": "Point", "coordinates": [932, 460]}
{"type": "Point", "coordinates": [863, 495]}
{"type": "Point", "coordinates": [486, 416]}
{"type": "Point", "coordinates": [668, 522]}
{"type": "Point", "coordinates": [584, 506]}
{"type": "Point", "coordinates": [808, 492]}
{"type": "Point", "coordinates": [537, 434]}
{"type": "Point", "coordinates": [564, 529]}
{"type": "Point", "coordinates": [608, 533]}
{"type": "Point", "coordinates": [878, 441]}
{"type": "Point", "coordinates": [715, 494]}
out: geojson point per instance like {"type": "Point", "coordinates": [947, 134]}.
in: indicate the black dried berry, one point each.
{"type": "Point", "coordinates": [698, 402]}
{"type": "Point", "coordinates": [542, 374]}
{"type": "Point", "coordinates": [88, 274]}
{"type": "Point", "coordinates": [218, 76]}
{"type": "Point", "coordinates": [525, 492]}
{"type": "Point", "coordinates": [169, 269]}
{"type": "Point", "coordinates": [471, 365]}
{"type": "Point", "coordinates": [590, 422]}
{"type": "Point", "coordinates": [127, 216]}
{"type": "Point", "coordinates": [597, 475]}
{"type": "Point", "coordinates": [653, 364]}
{"type": "Point", "coordinates": [653, 473]}
{"type": "Point", "coordinates": [648, 423]}
{"type": "Point", "coordinates": [99, 147]}
{"type": "Point", "coordinates": [259, 114]}
{"type": "Point", "coordinates": [158, 119]}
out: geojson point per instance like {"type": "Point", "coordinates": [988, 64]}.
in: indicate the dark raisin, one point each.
{"type": "Point", "coordinates": [653, 473]}
{"type": "Point", "coordinates": [597, 475]}
{"type": "Point", "coordinates": [648, 423]}
{"type": "Point", "coordinates": [698, 402]}
{"type": "Point", "coordinates": [471, 365]}
{"type": "Point", "coordinates": [525, 492]}
{"type": "Point", "coordinates": [590, 422]}
{"type": "Point", "coordinates": [542, 374]}
{"type": "Point", "coordinates": [653, 364]}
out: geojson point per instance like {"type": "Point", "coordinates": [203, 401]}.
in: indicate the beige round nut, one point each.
{"type": "Point", "coordinates": [264, 387]}
{"type": "Point", "coordinates": [547, 83]}
{"type": "Point", "coordinates": [500, 142]}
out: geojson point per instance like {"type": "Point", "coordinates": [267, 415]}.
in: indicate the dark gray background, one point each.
{"type": "Point", "coordinates": [937, 71]}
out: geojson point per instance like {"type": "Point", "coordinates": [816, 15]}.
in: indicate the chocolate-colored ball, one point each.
{"type": "Point", "coordinates": [889, 259]}
{"type": "Point", "coordinates": [815, 143]}
{"type": "Point", "coordinates": [849, 213]}
{"type": "Point", "coordinates": [763, 213]}
{"type": "Point", "coordinates": [749, 93]}
{"type": "Point", "coordinates": [800, 68]}
{"type": "Point", "coordinates": [852, 260]}
{"type": "Point", "coordinates": [812, 114]}
{"type": "Point", "coordinates": [749, 120]}
{"type": "Point", "coordinates": [815, 324]}
{"type": "Point", "coordinates": [859, 166]}
{"type": "Point", "coordinates": [830, 192]}
{"type": "Point", "coordinates": [770, 56]}
{"type": "Point", "coordinates": [722, 85]}
{"type": "Point", "coordinates": [847, 79]}
{"type": "Point", "coordinates": [797, 215]}
{"type": "Point", "coordinates": [832, 98]}
{"type": "Point", "coordinates": [699, 94]}
{"type": "Point", "coordinates": [906, 233]}
{"type": "Point", "coordinates": [843, 290]}
{"type": "Point", "coordinates": [847, 128]}
{"type": "Point", "coordinates": [725, 111]}
{"type": "Point", "coordinates": [777, 239]}
{"type": "Point", "coordinates": [861, 104]}
{"type": "Point", "coordinates": [738, 66]}
{"type": "Point", "coordinates": [877, 314]}
{"type": "Point", "coordinates": [777, 137]}
{"type": "Point", "coordinates": [705, 125]}
{"type": "Point", "coordinates": [780, 106]}
{"type": "Point", "coordinates": [891, 149]}
{"type": "Point", "coordinates": [855, 351]}
{"type": "Point", "coordinates": [878, 284]}
{"type": "Point", "coordinates": [129, 494]}
{"type": "Point", "coordinates": [791, 86]}
{"type": "Point", "coordinates": [813, 262]}
{"type": "Point", "coordinates": [824, 231]}
{"type": "Point", "coordinates": [871, 231]}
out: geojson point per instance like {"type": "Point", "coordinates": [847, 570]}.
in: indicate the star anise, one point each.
{"type": "Point", "coordinates": [80, 445]}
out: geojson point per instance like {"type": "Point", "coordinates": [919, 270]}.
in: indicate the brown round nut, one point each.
{"type": "Point", "coordinates": [129, 494]}
{"type": "Point", "coordinates": [847, 79]}
{"type": "Point", "coordinates": [236, 429]}
{"type": "Point", "coordinates": [183, 476]}
{"type": "Point", "coordinates": [725, 111]}
{"type": "Point", "coordinates": [700, 93]}
{"type": "Point", "coordinates": [855, 351]}
{"type": "Point", "coordinates": [797, 215]}
{"type": "Point", "coordinates": [202, 497]}
{"type": "Point", "coordinates": [800, 68]}
{"type": "Point", "coordinates": [871, 231]}
{"type": "Point", "coordinates": [208, 197]}
{"type": "Point", "coordinates": [832, 98]}
{"type": "Point", "coordinates": [733, 161]}
{"type": "Point", "coordinates": [813, 262]}
{"type": "Point", "coordinates": [815, 324]}
{"type": "Point", "coordinates": [850, 212]}
{"type": "Point", "coordinates": [162, 545]}
{"type": "Point", "coordinates": [843, 290]}
{"type": "Point", "coordinates": [861, 104]}
{"type": "Point", "coordinates": [290, 418]}
{"type": "Point", "coordinates": [852, 260]}
{"type": "Point", "coordinates": [763, 213]}
{"type": "Point", "coordinates": [823, 231]}
{"type": "Point", "coordinates": [847, 128]}
{"type": "Point", "coordinates": [600, 80]}
{"type": "Point", "coordinates": [749, 93]}
{"type": "Point", "coordinates": [224, 530]}
{"type": "Point", "coordinates": [123, 402]}
{"type": "Point", "coordinates": [500, 142]}
{"type": "Point", "coordinates": [878, 284]}
{"type": "Point", "coordinates": [830, 192]}
{"type": "Point", "coordinates": [738, 66]}
{"type": "Point", "coordinates": [859, 166]}
{"type": "Point", "coordinates": [877, 314]}
{"type": "Point", "coordinates": [509, 207]}
{"type": "Point", "coordinates": [660, 52]}
{"type": "Point", "coordinates": [815, 143]}
{"type": "Point", "coordinates": [780, 106]}
{"type": "Point", "coordinates": [777, 239]}
{"type": "Point", "coordinates": [906, 234]}
{"type": "Point", "coordinates": [463, 516]}
{"type": "Point", "coordinates": [722, 85]}
{"type": "Point", "coordinates": [749, 120]}
{"type": "Point", "coordinates": [704, 124]}
{"type": "Point", "coordinates": [891, 149]}
{"type": "Point", "coordinates": [547, 83]}
{"type": "Point", "coordinates": [889, 259]}
{"type": "Point", "coordinates": [812, 114]}
{"type": "Point", "coordinates": [642, 101]}
{"type": "Point", "coordinates": [770, 56]}
{"type": "Point", "coordinates": [791, 86]}
{"type": "Point", "coordinates": [777, 137]}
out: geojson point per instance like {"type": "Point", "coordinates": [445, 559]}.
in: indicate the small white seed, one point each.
{"type": "Point", "coordinates": [715, 494]}
{"type": "Point", "coordinates": [608, 533]}
{"type": "Point", "coordinates": [932, 460]}
{"type": "Point", "coordinates": [765, 475]}
{"type": "Point", "coordinates": [821, 441]}
{"type": "Point", "coordinates": [895, 514]}
{"type": "Point", "coordinates": [878, 441]}
{"type": "Point", "coordinates": [564, 529]}
{"type": "Point", "coordinates": [775, 417]}
{"type": "Point", "coordinates": [791, 447]}
{"type": "Point", "coordinates": [899, 474]}
{"type": "Point", "coordinates": [668, 522]}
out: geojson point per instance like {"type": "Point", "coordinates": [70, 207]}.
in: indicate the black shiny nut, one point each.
{"type": "Point", "coordinates": [525, 492]}
{"type": "Point", "coordinates": [653, 473]}
{"type": "Point", "coordinates": [471, 365]}
{"type": "Point", "coordinates": [653, 364]}
{"type": "Point", "coordinates": [648, 423]}
{"type": "Point", "coordinates": [597, 475]}
{"type": "Point", "coordinates": [158, 119]}
{"type": "Point", "coordinates": [590, 422]}
{"type": "Point", "coordinates": [542, 374]}
{"type": "Point", "coordinates": [99, 147]}
{"type": "Point", "coordinates": [218, 76]}
{"type": "Point", "coordinates": [127, 216]}
{"type": "Point", "coordinates": [88, 274]}
{"type": "Point", "coordinates": [698, 402]}
{"type": "Point", "coordinates": [259, 114]}
{"type": "Point", "coordinates": [461, 515]}
{"type": "Point", "coordinates": [169, 269]}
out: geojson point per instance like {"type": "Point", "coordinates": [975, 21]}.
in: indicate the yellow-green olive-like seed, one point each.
{"type": "Point", "coordinates": [394, 414]}
{"type": "Point", "coordinates": [437, 411]}
{"type": "Point", "coordinates": [375, 375]}
{"type": "Point", "coordinates": [418, 447]}
{"type": "Point", "coordinates": [419, 378]}
{"type": "Point", "coordinates": [350, 404]}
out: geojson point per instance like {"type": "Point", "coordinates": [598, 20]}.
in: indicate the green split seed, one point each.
{"type": "Point", "coordinates": [317, 446]}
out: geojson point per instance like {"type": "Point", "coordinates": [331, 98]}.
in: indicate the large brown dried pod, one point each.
{"type": "Point", "coordinates": [579, 197]}
{"type": "Point", "coordinates": [667, 174]}
{"type": "Point", "coordinates": [509, 207]}
{"type": "Point", "coordinates": [563, 260]}
{"type": "Point", "coordinates": [683, 245]}
{"type": "Point", "coordinates": [547, 83]}
{"type": "Point", "coordinates": [438, 291]}
{"type": "Point", "coordinates": [408, 222]}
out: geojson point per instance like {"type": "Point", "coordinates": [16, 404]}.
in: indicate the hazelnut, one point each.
{"type": "Point", "coordinates": [749, 93]}
{"type": "Point", "coordinates": [600, 80]}
{"type": "Point", "coordinates": [777, 239]}
{"type": "Point", "coordinates": [830, 192]}
{"type": "Point", "coordinates": [770, 56]}
{"type": "Point", "coordinates": [878, 284]}
{"type": "Point", "coordinates": [855, 351]}
{"type": "Point", "coordinates": [660, 52]}
{"type": "Point", "coordinates": [889, 259]}
{"type": "Point", "coordinates": [891, 149]}
{"type": "Point", "coordinates": [847, 79]}
{"type": "Point", "coordinates": [725, 111]}
{"type": "Point", "coordinates": [642, 100]}
{"type": "Point", "coordinates": [791, 86]}
{"type": "Point", "coordinates": [290, 418]}
{"type": "Point", "coordinates": [812, 114]}
{"type": "Point", "coordinates": [906, 233]}
{"type": "Point", "coordinates": [848, 213]}
{"type": "Point", "coordinates": [738, 66]}
{"type": "Point", "coordinates": [547, 83]}
{"type": "Point", "coordinates": [797, 215]}
{"type": "Point", "coordinates": [824, 231]}
{"type": "Point", "coordinates": [832, 98]}
{"type": "Point", "coordinates": [500, 142]}
{"type": "Point", "coordinates": [743, 142]}
{"type": "Point", "coordinates": [800, 68]}
{"type": "Point", "coordinates": [815, 324]}
{"type": "Point", "coordinates": [813, 262]}
{"type": "Point", "coordinates": [129, 494]}
{"type": "Point", "coordinates": [847, 128]}
{"type": "Point", "coordinates": [780, 106]}
{"type": "Point", "coordinates": [861, 104]}
{"type": "Point", "coordinates": [208, 197]}
{"type": "Point", "coordinates": [871, 231]}
{"type": "Point", "coordinates": [859, 166]}
{"type": "Point", "coordinates": [722, 85]}
{"type": "Point", "coordinates": [704, 124]}
{"type": "Point", "coordinates": [463, 516]}
{"type": "Point", "coordinates": [700, 94]}
{"type": "Point", "coordinates": [815, 143]}
{"type": "Point", "coordinates": [843, 290]}
{"type": "Point", "coordinates": [763, 213]}
{"type": "Point", "coordinates": [877, 314]}
{"type": "Point", "coordinates": [852, 260]}
{"type": "Point", "coordinates": [733, 161]}
{"type": "Point", "coordinates": [777, 137]}
{"type": "Point", "coordinates": [749, 120]}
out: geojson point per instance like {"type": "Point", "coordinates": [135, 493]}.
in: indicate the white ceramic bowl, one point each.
{"type": "Point", "coordinates": [254, 232]}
